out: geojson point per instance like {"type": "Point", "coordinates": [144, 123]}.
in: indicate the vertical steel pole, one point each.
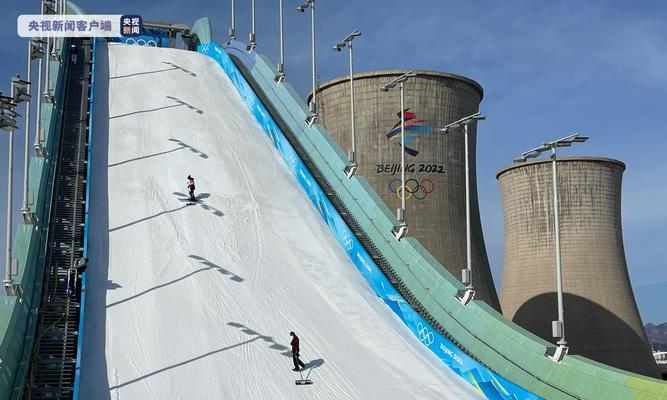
{"type": "Point", "coordinates": [38, 112]}
{"type": "Point", "coordinates": [251, 37]}
{"type": "Point", "coordinates": [55, 39]}
{"type": "Point", "coordinates": [354, 147]}
{"type": "Point", "coordinates": [47, 77]}
{"type": "Point", "coordinates": [559, 271]}
{"type": "Point", "coordinates": [232, 29]}
{"type": "Point", "coordinates": [10, 175]}
{"type": "Point", "coordinates": [281, 65]}
{"type": "Point", "coordinates": [468, 236]}
{"type": "Point", "coordinates": [24, 209]}
{"type": "Point", "coordinates": [252, 21]}
{"type": "Point", "coordinates": [313, 104]}
{"type": "Point", "coordinates": [402, 157]}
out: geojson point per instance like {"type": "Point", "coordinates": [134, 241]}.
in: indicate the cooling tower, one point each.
{"type": "Point", "coordinates": [435, 162]}
{"type": "Point", "coordinates": [600, 313]}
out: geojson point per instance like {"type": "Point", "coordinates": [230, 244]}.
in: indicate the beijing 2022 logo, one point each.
{"type": "Point", "coordinates": [413, 128]}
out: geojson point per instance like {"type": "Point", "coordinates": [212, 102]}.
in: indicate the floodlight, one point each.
{"type": "Point", "coordinates": [20, 86]}
{"type": "Point", "coordinates": [352, 35]}
{"type": "Point", "coordinates": [400, 79]}
{"type": "Point", "coordinates": [36, 48]}
{"type": "Point", "coordinates": [7, 123]}
{"type": "Point", "coordinates": [563, 142]}
{"type": "Point", "coordinates": [304, 6]}
{"type": "Point", "coordinates": [6, 102]}
{"type": "Point", "coordinates": [12, 113]}
{"type": "Point", "coordinates": [463, 121]}
{"type": "Point", "coordinates": [49, 6]}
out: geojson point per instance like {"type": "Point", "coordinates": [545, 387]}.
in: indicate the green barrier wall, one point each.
{"type": "Point", "coordinates": [503, 346]}
{"type": "Point", "coordinates": [18, 315]}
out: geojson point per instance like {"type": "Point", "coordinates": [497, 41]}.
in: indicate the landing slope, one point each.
{"type": "Point", "coordinates": [196, 301]}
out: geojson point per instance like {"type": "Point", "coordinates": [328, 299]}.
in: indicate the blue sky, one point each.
{"type": "Point", "coordinates": [547, 68]}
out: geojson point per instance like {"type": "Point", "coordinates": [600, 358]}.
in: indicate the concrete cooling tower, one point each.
{"type": "Point", "coordinates": [600, 313]}
{"type": "Point", "coordinates": [435, 162]}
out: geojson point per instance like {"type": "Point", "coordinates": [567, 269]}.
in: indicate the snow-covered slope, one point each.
{"type": "Point", "coordinates": [197, 301]}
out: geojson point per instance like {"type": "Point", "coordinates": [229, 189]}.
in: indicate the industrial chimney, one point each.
{"type": "Point", "coordinates": [435, 162]}
{"type": "Point", "coordinates": [600, 314]}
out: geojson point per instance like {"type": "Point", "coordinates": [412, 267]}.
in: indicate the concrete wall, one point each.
{"type": "Point", "coordinates": [600, 313]}
{"type": "Point", "coordinates": [435, 162]}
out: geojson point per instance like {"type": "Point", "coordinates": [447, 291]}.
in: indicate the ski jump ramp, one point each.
{"type": "Point", "coordinates": [196, 301]}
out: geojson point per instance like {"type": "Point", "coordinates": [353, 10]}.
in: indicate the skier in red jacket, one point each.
{"type": "Point", "coordinates": [295, 352]}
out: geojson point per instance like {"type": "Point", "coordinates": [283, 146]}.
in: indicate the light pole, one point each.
{"type": "Point", "coordinates": [251, 36]}
{"type": "Point", "coordinates": [557, 327]}
{"type": "Point", "coordinates": [8, 122]}
{"type": "Point", "coordinates": [280, 75]}
{"type": "Point", "coordinates": [38, 112]}
{"type": "Point", "coordinates": [466, 274]}
{"type": "Point", "coordinates": [312, 116]}
{"type": "Point", "coordinates": [48, 7]}
{"type": "Point", "coordinates": [350, 169]}
{"type": "Point", "coordinates": [402, 230]}
{"type": "Point", "coordinates": [232, 29]}
{"type": "Point", "coordinates": [34, 52]}
{"type": "Point", "coordinates": [47, 73]}
{"type": "Point", "coordinates": [56, 42]}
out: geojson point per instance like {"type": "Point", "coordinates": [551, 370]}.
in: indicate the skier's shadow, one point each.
{"type": "Point", "coordinates": [201, 196]}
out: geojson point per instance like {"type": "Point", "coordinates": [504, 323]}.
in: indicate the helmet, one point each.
{"type": "Point", "coordinates": [73, 46]}
{"type": "Point", "coordinates": [189, 177]}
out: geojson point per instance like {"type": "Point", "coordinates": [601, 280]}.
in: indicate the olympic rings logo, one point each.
{"type": "Point", "coordinates": [141, 42]}
{"type": "Point", "coordinates": [348, 242]}
{"type": "Point", "coordinates": [425, 335]}
{"type": "Point", "coordinates": [419, 189]}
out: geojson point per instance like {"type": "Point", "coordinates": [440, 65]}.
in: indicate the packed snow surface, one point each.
{"type": "Point", "coordinates": [196, 301]}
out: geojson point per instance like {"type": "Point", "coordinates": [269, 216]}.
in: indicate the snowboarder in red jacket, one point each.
{"type": "Point", "coordinates": [295, 352]}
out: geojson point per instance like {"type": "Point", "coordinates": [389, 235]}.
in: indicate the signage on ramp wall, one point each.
{"type": "Point", "coordinates": [492, 385]}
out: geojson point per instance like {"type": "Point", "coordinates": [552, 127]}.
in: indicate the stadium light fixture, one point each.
{"type": "Point", "coordinates": [35, 51]}
{"type": "Point", "coordinates": [8, 122]}
{"type": "Point", "coordinates": [466, 273]}
{"type": "Point", "coordinates": [280, 73]}
{"type": "Point", "coordinates": [232, 28]}
{"type": "Point", "coordinates": [21, 89]}
{"type": "Point", "coordinates": [557, 327]}
{"type": "Point", "coordinates": [351, 168]}
{"type": "Point", "coordinates": [402, 230]}
{"type": "Point", "coordinates": [252, 43]}
{"type": "Point", "coordinates": [312, 116]}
